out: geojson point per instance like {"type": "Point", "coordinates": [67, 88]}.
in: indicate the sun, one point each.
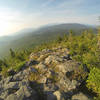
{"type": "Point", "coordinates": [4, 28]}
{"type": "Point", "coordinates": [8, 24]}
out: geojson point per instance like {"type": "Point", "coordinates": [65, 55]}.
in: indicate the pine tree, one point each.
{"type": "Point", "coordinates": [71, 34]}
{"type": "Point", "coordinates": [59, 39]}
{"type": "Point", "coordinates": [98, 37]}
{"type": "Point", "coordinates": [12, 53]}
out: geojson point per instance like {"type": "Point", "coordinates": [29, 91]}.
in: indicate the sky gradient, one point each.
{"type": "Point", "coordinates": [16, 15]}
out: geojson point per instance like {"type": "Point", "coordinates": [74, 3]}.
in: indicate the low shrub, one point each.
{"type": "Point", "coordinates": [93, 81]}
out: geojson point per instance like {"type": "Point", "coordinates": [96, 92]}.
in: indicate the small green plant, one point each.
{"type": "Point", "coordinates": [19, 66]}
{"type": "Point", "coordinates": [97, 98]}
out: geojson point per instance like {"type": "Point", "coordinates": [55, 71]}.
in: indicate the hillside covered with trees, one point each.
{"type": "Point", "coordinates": [83, 48]}
{"type": "Point", "coordinates": [29, 38]}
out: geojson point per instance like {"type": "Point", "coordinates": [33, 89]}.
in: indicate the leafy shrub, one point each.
{"type": "Point", "coordinates": [93, 81]}
{"type": "Point", "coordinates": [97, 98]}
{"type": "Point", "coordinates": [19, 66]}
{"type": "Point", "coordinates": [78, 58]}
{"type": "Point", "coordinates": [90, 59]}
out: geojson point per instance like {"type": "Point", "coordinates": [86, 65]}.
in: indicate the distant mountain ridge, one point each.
{"type": "Point", "coordinates": [31, 37]}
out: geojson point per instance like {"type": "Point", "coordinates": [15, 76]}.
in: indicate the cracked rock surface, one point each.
{"type": "Point", "coordinates": [48, 75]}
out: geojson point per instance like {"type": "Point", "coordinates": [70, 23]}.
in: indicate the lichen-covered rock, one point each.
{"type": "Point", "coordinates": [58, 95]}
{"type": "Point", "coordinates": [81, 96]}
{"type": "Point", "coordinates": [48, 75]}
{"type": "Point", "coordinates": [53, 59]}
{"type": "Point", "coordinates": [11, 85]}
{"type": "Point", "coordinates": [24, 92]}
{"type": "Point", "coordinates": [42, 80]}
{"type": "Point", "coordinates": [12, 97]}
{"type": "Point", "coordinates": [41, 67]}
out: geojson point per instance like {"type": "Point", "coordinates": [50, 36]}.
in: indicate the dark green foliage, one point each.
{"type": "Point", "coordinates": [12, 53]}
{"type": "Point", "coordinates": [97, 98]}
{"type": "Point", "coordinates": [4, 63]}
{"type": "Point", "coordinates": [1, 62]}
{"type": "Point", "coordinates": [93, 81]}
{"type": "Point", "coordinates": [20, 66]}
{"type": "Point", "coordinates": [16, 61]}
{"type": "Point", "coordinates": [59, 39]}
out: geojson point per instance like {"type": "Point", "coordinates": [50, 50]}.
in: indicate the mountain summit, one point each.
{"type": "Point", "coordinates": [48, 75]}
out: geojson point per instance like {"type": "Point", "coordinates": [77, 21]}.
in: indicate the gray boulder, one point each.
{"type": "Point", "coordinates": [12, 97]}
{"type": "Point", "coordinates": [58, 95]}
{"type": "Point", "coordinates": [81, 96]}
{"type": "Point", "coordinates": [50, 96]}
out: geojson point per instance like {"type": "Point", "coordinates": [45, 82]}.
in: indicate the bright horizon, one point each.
{"type": "Point", "coordinates": [16, 15]}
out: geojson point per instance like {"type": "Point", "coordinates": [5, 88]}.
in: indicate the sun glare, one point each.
{"type": "Point", "coordinates": [4, 28]}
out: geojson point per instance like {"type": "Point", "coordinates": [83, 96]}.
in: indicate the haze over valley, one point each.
{"type": "Point", "coordinates": [28, 38]}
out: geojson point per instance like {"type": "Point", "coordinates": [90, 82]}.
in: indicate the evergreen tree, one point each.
{"type": "Point", "coordinates": [71, 34]}
{"type": "Point", "coordinates": [4, 62]}
{"type": "Point", "coordinates": [59, 39]}
{"type": "Point", "coordinates": [12, 53]}
{"type": "Point", "coordinates": [1, 62]}
{"type": "Point", "coordinates": [98, 38]}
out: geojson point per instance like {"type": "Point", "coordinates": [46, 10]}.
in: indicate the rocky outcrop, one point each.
{"type": "Point", "coordinates": [49, 75]}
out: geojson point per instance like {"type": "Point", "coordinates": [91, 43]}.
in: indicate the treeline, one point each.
{"type": "Point", "coordinates": [14, 61]}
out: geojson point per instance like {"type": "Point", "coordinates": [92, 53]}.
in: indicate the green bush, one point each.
{"type": "Point", "coordinates": [19, 66]}
{"type": "Point", "coordinates": [97, 98]}
{"type": "Point", "coordinates": [93, 81]}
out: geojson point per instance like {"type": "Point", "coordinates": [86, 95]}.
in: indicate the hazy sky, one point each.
{"type": "Point", "coordinates": [19, 14]}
